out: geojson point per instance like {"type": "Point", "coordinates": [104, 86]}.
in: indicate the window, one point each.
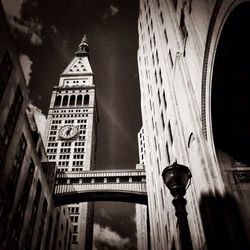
{"type": "Point", "coordinates": [167, 153]}
{"type": "Point", "coordinates": [170, 132]}
{"type": "Point", "coordinates": [72, 100]}
{"type": "Point", "coordinates": [160, 76]}
{"type": "Point", "coordinates": [170, 58]}
{"type": "Point", "coordinates": [166, 36]}
{"type": "Point", "coordinates": [65, 100]}
{"type": "Point", "coordinates": [183, 28]}
{"type": "Point", "coordinates": [164, 99]}
{"type": "Point", "coordinates": [79, 100]}
{"type": "Point", "coordinates": [156, 80]}
{"type": "Point", "coordinates": [175, 2]}
{"type": "Point", "coordinates": [162, 119]}
{"type": "Point", "coordinates": [111, 179]}
{"type": "Point", "coordinates": [157, 56]}
{"type": "Point", "coordinates": [78, 156]}
{"type": "Point", "coordinates": [74, 239]}
{"type": "Point", "coordinates": [58, 101]}
{"type": "Point", "coordinates": [161, 16]}
{"type": "Point", "coordinates": [75, 228]}
{"type": "Point", "coordinates": [86, 100]}
{"type": "Point", "coordinates": [6, 67]}
{"type": "Point", "coordinates": [99, 180]}
{"type": "Point", "coordinates": [159, 98]}
{"type": "Point", "coordinates": [124, 179]}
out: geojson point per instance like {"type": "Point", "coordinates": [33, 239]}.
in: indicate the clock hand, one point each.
{"type": "Point", "coordinates": [68, 131]}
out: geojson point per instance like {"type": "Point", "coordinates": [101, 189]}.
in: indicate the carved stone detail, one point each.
{"type": "Point", "coordinates": [205, 65]}
{"type": "Point", "coordinates": [242, 176]}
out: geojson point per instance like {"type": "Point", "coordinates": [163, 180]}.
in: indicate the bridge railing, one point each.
{"type": "Point", "coordinates": [117, 180]}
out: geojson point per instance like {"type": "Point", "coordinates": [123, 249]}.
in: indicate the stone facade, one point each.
{"type": "Point", "coordinates": [183, 83]}
{"type": "Point", "coordinates": [29, 219]}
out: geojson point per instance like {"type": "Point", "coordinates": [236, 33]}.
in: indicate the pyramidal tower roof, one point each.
{"type": "Point", "coordinates": [80, 64]}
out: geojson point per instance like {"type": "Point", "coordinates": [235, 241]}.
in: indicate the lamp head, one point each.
{"type": "Point", "coordinates": [176, 177]}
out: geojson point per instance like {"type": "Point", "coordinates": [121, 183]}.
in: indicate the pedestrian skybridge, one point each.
{"type": "Point", "coordinates": [128, 185]}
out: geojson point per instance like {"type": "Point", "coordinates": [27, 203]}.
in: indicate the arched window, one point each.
{"type": "Point", "coordinates": [58, 100]}
{"type": "Point", "coordinates": [65, 100]}
{"type": "Point", "coordinates": [86, 100]}
{"type": "Point", "coordinates": [72, 100]}
{"type": "Point", "coordinates": [79, 100]}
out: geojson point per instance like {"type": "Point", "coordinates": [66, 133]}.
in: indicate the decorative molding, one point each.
{"type": "Point", "coordinates": [205, 65]}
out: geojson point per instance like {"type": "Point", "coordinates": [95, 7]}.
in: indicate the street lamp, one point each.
{"type": "Point", "coordinates": [177, 178]}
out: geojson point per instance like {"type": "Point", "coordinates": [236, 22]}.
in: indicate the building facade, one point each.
{"type": "Point", "coordinates": [141, 210]}
{"type": "Point", "coordinates": [193, 61]}
{"type": "Point", "coordinates": [70, 134]}
{"type": "Point", "coordinates": [28, 217]}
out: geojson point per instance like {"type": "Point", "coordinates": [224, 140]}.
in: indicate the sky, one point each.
{"type": "Point", "coordinates": [47, 34]}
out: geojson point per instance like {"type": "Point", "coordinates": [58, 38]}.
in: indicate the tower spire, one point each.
{"type": "Point", "coordinates": [83, 48]}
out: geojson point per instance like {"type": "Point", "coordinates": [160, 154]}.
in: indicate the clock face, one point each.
{"type": "Point", "coordinates": [68, 132]}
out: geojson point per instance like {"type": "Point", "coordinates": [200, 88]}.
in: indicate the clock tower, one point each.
{"type": "Point", "coordinates": [70, 134]}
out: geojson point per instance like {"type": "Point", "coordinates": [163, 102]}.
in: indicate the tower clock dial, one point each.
{"type": "Point", "coordinates": [68, 132]}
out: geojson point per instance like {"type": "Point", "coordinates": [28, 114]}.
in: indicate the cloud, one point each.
{"type": "Point", "coordinates": [113, 10]}
{"type": "Point", "coordinates": [13, 7]}
{"type": "Point", "coordinates": [108, 237]}
{"type": "Point", "coordinates": [35, 39]}
{"type": "Point", "coordinates": [110, 12]}
{"type": "Point", "coordinates": [26, 67]}
{"type": "Point", "coordinates": [39, 117]}
{"type": "Point", "coordinates": [104, 214]}
{"type": "Point", "coordinates": [30, 28]}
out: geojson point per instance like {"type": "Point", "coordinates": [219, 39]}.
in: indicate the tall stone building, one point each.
{"type": "Point", "coordinates": [141, 210]}
{"type": "Point", "coordinates": [70, 134]}
{"type": "Point", "coordinates": [28, 217]}
{"type": "Point", "coordinates": [194, 65]}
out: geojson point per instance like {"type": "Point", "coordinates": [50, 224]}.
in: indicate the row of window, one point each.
{"type": "Point", "coordinates": [121, 179]}
{"type": "Point", "coordinates": [10, 124]}
{"type": "Point", "coordinates": [6, 67]}
{"type": "Point", "coordinates": [74, 218]}
{"type": "Point", "coordinates": [73, 169]}
{"type": "Point", "coordinates": [73, 210]}
{"type": "Point", "coordinates": [54, 138]}
{"type": "Point", "coordinates": [52, 144]}
{"type": "Point", "coordinates": [66, 163]}
{"type": "Point", "coordinates": [71, 100]}
{"type": "Point", "coordinates": [70, 110]}
{"type": "Point", "coordinates": [68, 121]}
{"type": "Point", "coordinates": [75, 115]}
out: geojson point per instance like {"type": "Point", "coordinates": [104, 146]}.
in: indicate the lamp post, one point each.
{"type": "Point", "coordinates": [177, 179]}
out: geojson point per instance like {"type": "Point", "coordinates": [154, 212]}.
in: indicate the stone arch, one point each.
{"type": "Point", "coordinates": [230, 90]}
{"type": "Point", "coordinates": [101, 195]}
{"type": "Point", "coordinates": [225, 103]}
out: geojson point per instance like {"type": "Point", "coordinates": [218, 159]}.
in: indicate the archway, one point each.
{"type": "Point", "coordinates": [230, 99]}
{"type": "Point", "coordinates": [230, 106]}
